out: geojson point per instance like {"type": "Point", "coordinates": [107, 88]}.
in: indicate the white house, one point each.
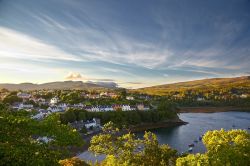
{"type": "Point", "coordinates": [54, 100]}
{"type": "Point", "coordinates": [108, 108]}
{"type": "Point", "coordinates": [42, 113]}
{"type": "Point", "coordinates": [130, 98]}
{"type": "Point", "coordinates": [93, 96]}
{"type": "Point", "coordinates": [95, 109]}
{"type": "Point", "coordinates": [44, 139]}
{"type": "Point", "coordinates": [126, 108]}
{"type": "Point", "coordinates": [55, 109]}
{"type": "Point", "coordinates": [243, 96]}
{"type": "Point", "coordinates": [200, 99]}
{"type": "Point", "coordinates": [25, 106]}
{"type": "Point", "coordinates": [62, 106]}
{"type": "Point", "coordinates": [104, 94]}
{"type": "Point", "coordinates": [41, 101]}
{"type": "Point", "coordinates": [146, 108]}
{"type": "Point", "coordinates": [23, 95]}
{"type": "Point", "coordinates": [102, 108]}
{"type": "Point", "coordinates": [38, 116]}
{"type": "Point", "coordinates": [93, 123]}
{"type": "Point", "coordinates": [140, 107]}
{"type": "Point", "coordinates": [79, 105]}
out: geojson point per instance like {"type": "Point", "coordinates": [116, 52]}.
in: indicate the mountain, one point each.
{"type": "Point", "coordinates": [56, 85]}
{"type": "Point", "coordinates": [105, 84]}
{"type": "Point", "coordinates": [212, 83]}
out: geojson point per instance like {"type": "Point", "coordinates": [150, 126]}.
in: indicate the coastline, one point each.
{"type": "Point", "coordinates": [212, 109]}
{"type": "Point", "coordinates": [148, 126]}
{"type": "Point", "coordinates": [141, 127]}
{"type": "Point", "coordinates": [170, 123]}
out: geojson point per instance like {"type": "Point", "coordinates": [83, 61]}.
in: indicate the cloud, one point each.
{"type": "Point", "coordinates": [74, 76]}
{"type": "Point", "coordinates": [77, 76]}
{"type": "Point", "coordinates": [101, 40]}
{"type": "Point", "coordinates": [20, 46]}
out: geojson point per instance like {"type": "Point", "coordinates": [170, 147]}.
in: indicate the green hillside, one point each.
{"type": "Point", "coordinates": [78, 85]}
{"type": "Point", "coordinates": [205, 84]}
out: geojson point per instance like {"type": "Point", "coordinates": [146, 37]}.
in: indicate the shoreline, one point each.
{"type": "Point", "coordinates": [209, 109]}
{"type": "Point", "coordinates": [149, 126]}
{"type": "Point", "coordinates": [141, 127]}
{"type": "Point", "coordinates": [170, 123]}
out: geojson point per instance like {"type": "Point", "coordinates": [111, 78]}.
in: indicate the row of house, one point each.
{"type": "Point", "coordinates": [42, 113]}
{"type": "Point", "coordinates": [116, 107]}
{"type": "Point", "coordinates": [20, 106]}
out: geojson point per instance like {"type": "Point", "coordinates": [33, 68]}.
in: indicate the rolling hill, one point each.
{"type": "Point", "coordinates": [56, 85]}
{"type": "Point", "coordinates": [213, 83]}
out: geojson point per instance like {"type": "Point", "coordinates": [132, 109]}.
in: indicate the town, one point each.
{"type": "Point", "coordinates": [43, 103]}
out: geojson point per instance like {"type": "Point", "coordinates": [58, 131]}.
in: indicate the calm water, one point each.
{"type": "Point", "coordinates": [179, 137]}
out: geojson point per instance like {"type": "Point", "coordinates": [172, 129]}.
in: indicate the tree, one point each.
{"type": "Point", "coordinates": [223, 148]}
{"type": "Point", "coordinates": [73, 162]}
{"type": "Point", "coordinates": [122, 92]}
{"type": "Point", "coordinates": [126, 149]}
{"type": "Point", "coordinates": [165, 105]}
{"type": "Point", "coordinates": [10, 99]}
{"type": "Point", "coordinates": [84, 130]}
{"type": "Point", "coordinates": [18, 144]}
{"type": "Point", "coordinates": [70, 116]}
{"type": "Point", "coordinates": [82, 116]}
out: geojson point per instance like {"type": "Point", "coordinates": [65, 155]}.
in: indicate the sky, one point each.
{"type": "Point", "coordinates": [132, 43]}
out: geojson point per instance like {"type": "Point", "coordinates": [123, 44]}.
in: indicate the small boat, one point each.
{"type": "Point", "coordinates": [139, 147]}
{"type": "Point", "coordinates": [191, 145]}
{"type": "Point", "coordinates": [200, 138]}
{"type": "Point", "coordinates": [190, 149]}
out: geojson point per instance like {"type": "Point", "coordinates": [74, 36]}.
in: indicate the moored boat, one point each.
{"type": "Point", "coordinates": [190, 149]}
{"type": "Point", "coordinates": [191, 145]}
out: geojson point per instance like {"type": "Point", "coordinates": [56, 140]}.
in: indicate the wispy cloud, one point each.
{"type": "Point", "coordinates": [19, 46]}
{"type": "Point", "coordinates": [162, 41]}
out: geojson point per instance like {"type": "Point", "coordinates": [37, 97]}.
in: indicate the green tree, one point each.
{"type": "Point", "coordinates": [10, 99]}
{"type": "Point", "coordinates": [223, 148]}
{"type": "Point", "coordinates": [18, 145]}
{"type": "Point", "coordinates": [70, 116]}
{"type": "Point", "coordinates": [82, 116]}
{"type": "Point", "coordinates": [166, 105]}
{"type": "Point", "coordinates": [126, 149]}
{"type": "Point", "coordinates": [73, 162]}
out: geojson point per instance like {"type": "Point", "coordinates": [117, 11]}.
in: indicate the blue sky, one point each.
{"type": "Point", "coordinates": [133, 43]}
